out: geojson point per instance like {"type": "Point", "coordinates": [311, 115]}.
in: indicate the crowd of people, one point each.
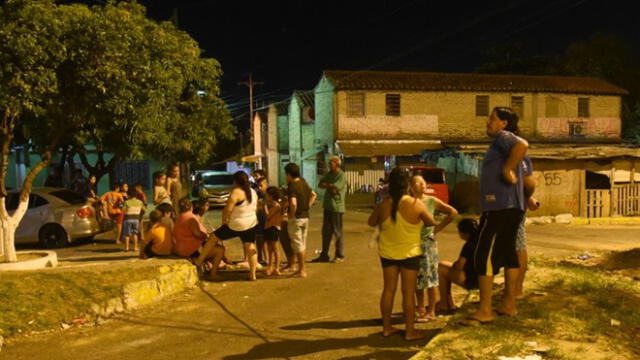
{"type": "Point", "coordinates": [270, 220]}
{"type": "Point", "coordinates": [407, 230]}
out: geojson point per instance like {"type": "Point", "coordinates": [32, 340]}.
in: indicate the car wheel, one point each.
{"type": "Point", "coordinates": [52, 236]}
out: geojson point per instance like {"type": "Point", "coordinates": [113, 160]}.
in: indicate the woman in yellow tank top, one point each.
{"type": "Point", "coordinates": [400, 219]}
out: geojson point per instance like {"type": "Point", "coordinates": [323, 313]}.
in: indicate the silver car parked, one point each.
{"type": "Point", "coordinates": [55, 217]}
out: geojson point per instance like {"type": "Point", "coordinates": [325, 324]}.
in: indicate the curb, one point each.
{"type": "Point", "coordinates": [173, 279]}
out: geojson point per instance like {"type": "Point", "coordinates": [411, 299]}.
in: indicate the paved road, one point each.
{"type": "Point", "coordinates": [332, 314]}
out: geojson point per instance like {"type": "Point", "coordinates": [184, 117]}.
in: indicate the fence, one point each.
{"type": "Point", "coordinates": [625, 199]}
{"type": "Point", "coordinates": [597, 203]}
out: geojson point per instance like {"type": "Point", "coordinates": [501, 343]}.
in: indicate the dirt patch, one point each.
{"type": "Point", "coordinates": [570, 311]}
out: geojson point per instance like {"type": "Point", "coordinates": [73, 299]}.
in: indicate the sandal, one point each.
{"type": "Point", "coordinates": [425, 318]}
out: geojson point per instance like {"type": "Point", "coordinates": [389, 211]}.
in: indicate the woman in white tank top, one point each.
{"type": "Point", "coordinates": [239, 219]}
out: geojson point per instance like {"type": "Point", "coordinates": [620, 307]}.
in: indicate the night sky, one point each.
{"type": "Point", "coordinates": [287, 44]}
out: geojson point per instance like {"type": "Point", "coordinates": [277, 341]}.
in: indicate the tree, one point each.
{"type": "Point", "coordinates": [30, 51]}
{"type": "Point", "coordinates": [105, 77]}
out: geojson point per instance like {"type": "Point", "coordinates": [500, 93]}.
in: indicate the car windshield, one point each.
{"type": "Point", "coordinates": [222, 179]}
{"type": "Point", "coordinates": [68, 196]}
{"type": "Point", "coordinates": [433, 176]}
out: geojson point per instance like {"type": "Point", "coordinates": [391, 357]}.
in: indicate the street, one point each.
{"type": "Point", "coordinates": [332, 314]}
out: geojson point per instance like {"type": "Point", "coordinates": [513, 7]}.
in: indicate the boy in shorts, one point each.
{"type": "Point", "coordinates": [133, 207]}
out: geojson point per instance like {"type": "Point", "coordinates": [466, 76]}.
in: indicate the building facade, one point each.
{"type": "Point", "coordinates": [383, 119]}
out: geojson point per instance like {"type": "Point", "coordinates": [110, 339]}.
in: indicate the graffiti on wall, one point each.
{"type": "Point", "coordinates": [578, 127]}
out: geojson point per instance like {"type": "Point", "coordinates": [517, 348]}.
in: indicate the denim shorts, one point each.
{"type": "Point", "coordinates": [130, 227]}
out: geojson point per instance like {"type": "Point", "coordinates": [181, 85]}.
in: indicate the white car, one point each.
{"type": "Point", "coordinates": [55, 217]}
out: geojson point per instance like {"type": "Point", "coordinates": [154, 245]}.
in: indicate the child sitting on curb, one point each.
{"type": "Point", "coordinates": [462, 271]}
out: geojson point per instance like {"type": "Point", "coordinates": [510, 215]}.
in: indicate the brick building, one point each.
{"type": "Point", "coordinates": [380, 119]}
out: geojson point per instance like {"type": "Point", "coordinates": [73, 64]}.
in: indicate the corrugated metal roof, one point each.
{"type": "Point", "coordinates": [304, 97]}
{"type": "Point", "coordinates": [432, 81]}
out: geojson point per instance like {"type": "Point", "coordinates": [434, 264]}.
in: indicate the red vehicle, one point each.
{"type": "Point", "coordinates": [434, 176]}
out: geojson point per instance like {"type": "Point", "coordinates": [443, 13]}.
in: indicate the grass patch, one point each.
{"type": "Point", "coordinates": [35, 301]}
{"type": "Point", "coordinates": [568, 309]}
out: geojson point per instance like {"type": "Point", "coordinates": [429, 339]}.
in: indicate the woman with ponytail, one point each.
{"type": "Point", "coordinates": [238, 220]}
{"type": "Point", "coordinates": [400, 219]}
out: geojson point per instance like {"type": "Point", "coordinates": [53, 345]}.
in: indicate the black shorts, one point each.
{"type": "Point", "coordinates": [470, 280]}
{"type": "Point", "coordinates": [247, 236]}
{"type": "Point", "coordinates": [271, 234]}
{"type": "Point", "coordinates": [497, 241]}
{"type": "Point", "coordinates": [412, 263]}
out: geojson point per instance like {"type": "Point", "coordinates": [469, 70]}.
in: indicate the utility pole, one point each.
{"type": "Point", "coordinates": [250, 84]}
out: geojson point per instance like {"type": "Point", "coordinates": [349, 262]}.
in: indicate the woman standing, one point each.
{"type": "Point", "coordinates": [400, 218]}
{"type": "Point", "coordinates": [239, 219]}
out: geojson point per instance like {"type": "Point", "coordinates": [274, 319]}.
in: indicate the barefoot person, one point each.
{"type": "Point", "coordinates": [238, 220]}
{"type": "Point", "coordinates": [462, 272]}
{"type": "Point", "coordinates": [529, 184]}
{"type": "Point", "coordinates": [428, 272]}
{"type": "Point", "coordinates": [301, 198]}
{"type": "Point", "coordinates": [400, 219]}
{"type": "Point", "coordinates": [273, 212]}
{"type": "Point", "coordinates": [502, 201]}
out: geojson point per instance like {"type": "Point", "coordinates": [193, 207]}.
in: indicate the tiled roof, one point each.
{"type": "Point", "coordinates": [431, 81]}
{"type": "Point", "coordinates": [304, 97]}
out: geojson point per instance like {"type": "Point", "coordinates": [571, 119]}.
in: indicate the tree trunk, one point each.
{"type": "Point", "coordinates": [8, 226]}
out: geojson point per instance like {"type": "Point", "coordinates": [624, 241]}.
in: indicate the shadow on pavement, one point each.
{"type": "Point", "coordinates": [293, 348]}
{"type": "Point", "coordinates": [336, 325]}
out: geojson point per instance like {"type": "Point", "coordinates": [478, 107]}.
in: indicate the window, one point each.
{"type": "Point", "coordinates": [517, 105]}
{"type": "Point", "coordinates": [36, 201]}
{"type": "Point", "coordinates": [482, 105]}
{"type": "Point", "coordinates": [552, 107]}
{"type": "Point", "coordinates": [392, 107]}
{"type": "Point", "coordinates": [68, 196]}
{"type": "Point", "coordinates": [11, 201]}
{"type": "Point", "coordinates": [583, 107]}
{"type": "Point", "coordinates": [355, 105]}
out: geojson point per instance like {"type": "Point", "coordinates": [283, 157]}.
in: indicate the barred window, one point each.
{"type": "Point", "coordinates": [583, 107]}
{"type": "Point", "coordinates": [517, 105]}
{"type": "Point", "coordinates": [482, 105]}
{"type": "Point", "coordinates": [392, 105]}
{"type": "Point", "coordinates": [355, 105]}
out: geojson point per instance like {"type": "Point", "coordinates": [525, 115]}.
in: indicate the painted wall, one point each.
{"type": "Point", "coordinates": [295, 136]}
{"type": "Point", "coordinates": [324, 121]}
{"type": "Point", "coordinates": [451, 116]}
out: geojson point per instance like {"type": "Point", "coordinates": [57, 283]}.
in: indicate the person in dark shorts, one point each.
{"type": "Point", "coordinates": [400, 219]}
{"type": "Point", "coordinates": [273, 221]}
{"type": "Point", "coordinates": [238, 220]}
{"type": "Point", "coordinates": [503, 202]}
{"type": "Point", "coordinates": [462, 272]}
